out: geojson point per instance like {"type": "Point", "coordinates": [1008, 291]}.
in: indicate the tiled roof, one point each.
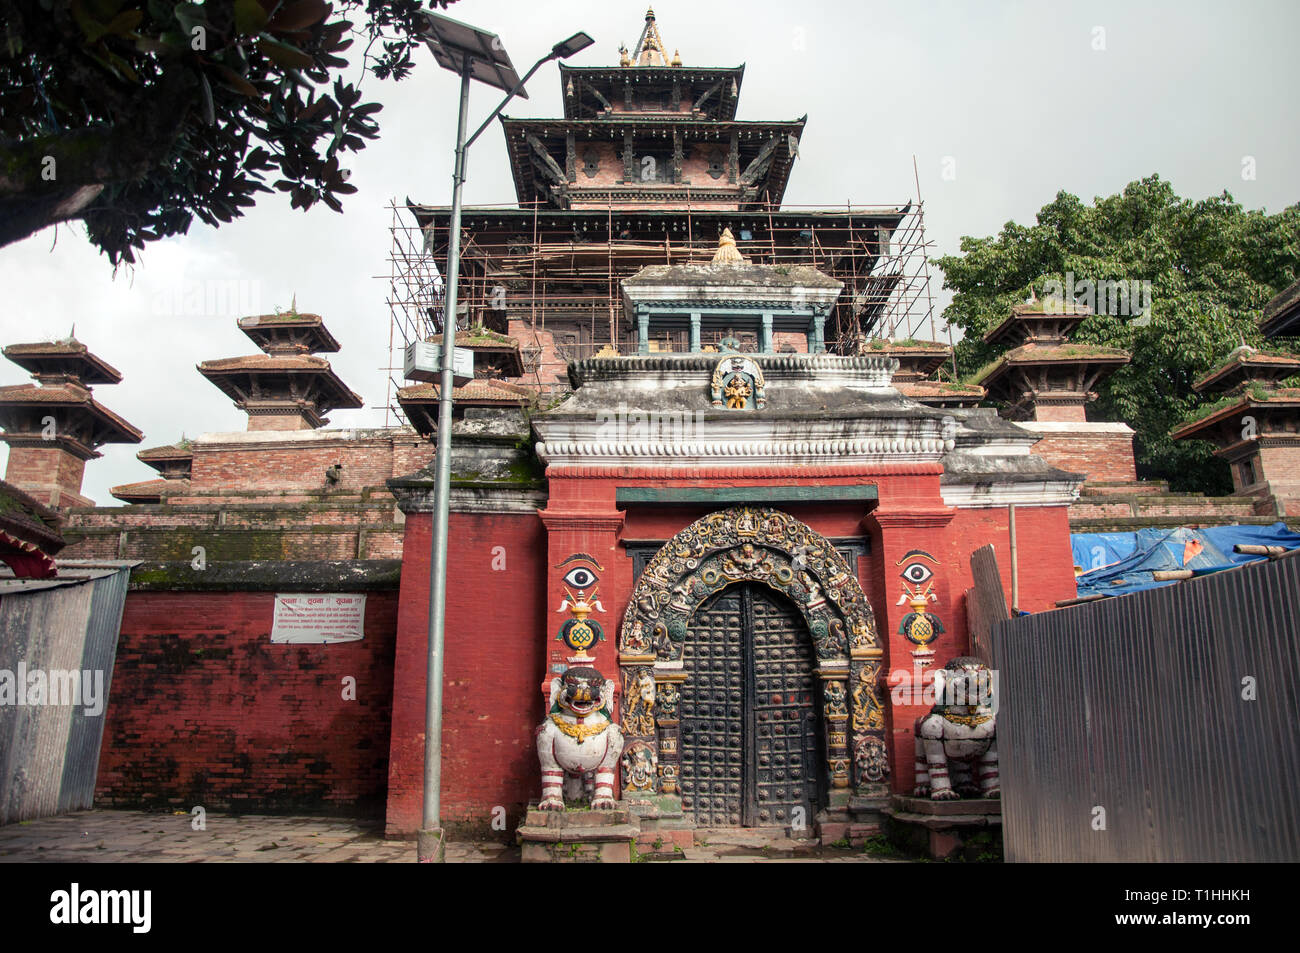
{"type": "Point", "coordinates": [1282, 313]}
{"type": "Point", "coordinates": [267, 362]}
{"type": "Point", "coordinates": [170, 452]}
{"type": "Point", "coordinates": [477, 390]}
{"type": "Point", "coordinates": [21, 394]}
{"type": "Point", "coordinates": [1238, 367]}
{"type": "Point", "coordinates": [225, 371]}
{"type": "Point", "coordinates": [30, 357]}
{"type": "Point", "coordinates": [1282, 396]}
{"type": "Point", "coordinates": [147, 491]}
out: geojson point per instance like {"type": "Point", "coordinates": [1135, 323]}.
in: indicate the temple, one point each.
{"type": "Point", "coordinates": [54, 426]}
{"type": "Point", "coordinates": [705, 475]}
{"type": "Point", "coordinates": [1255, 423]}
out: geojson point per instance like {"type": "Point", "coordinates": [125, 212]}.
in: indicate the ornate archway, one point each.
{"type": "Point", "coordinates": [764, 545]}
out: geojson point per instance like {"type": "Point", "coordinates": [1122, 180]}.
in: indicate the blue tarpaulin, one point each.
{"type": "Point", "coordinates": [1120, 563]}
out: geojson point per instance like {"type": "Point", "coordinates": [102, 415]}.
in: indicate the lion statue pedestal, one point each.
{"type": "Point", "coordinates": [579, 747]}
{"type": "Point", "coordinates": [956, 744]}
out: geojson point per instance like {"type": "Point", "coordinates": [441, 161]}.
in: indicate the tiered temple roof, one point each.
{"type": "Point", "coordinates": [172, 463]}
{"type": "Point", "coordinates": [1044, 370]}
{"type": "Point", "coordinates": [650, 131]}
{"type": "Point", "coordinates": [287, 387]}
{"type": "Point", "coordinates": [58, 415]}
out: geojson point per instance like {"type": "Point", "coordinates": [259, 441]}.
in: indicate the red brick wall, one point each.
{"type": "Point", "coordinates": [496, 634]}
{"type": "Point", "coordinates": [1061, 412]}
{"type": "Point", "coordinates": [204, 710]}
{"type": "Point", "coordinates": [50, 474]}
{"type": "Point", "coordinates": [275, 466]}
{"type": "Point", "coordinates": [1101, 456]}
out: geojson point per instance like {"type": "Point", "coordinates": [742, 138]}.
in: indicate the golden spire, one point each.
{"type": "Point", "coordinates": [650, 48]}
{"type": "Point", "coordinates": [727, 254]}
{"type": "Point", "coordinates": [677, 58]}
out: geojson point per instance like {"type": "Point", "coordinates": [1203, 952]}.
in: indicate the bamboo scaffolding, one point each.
{"type": "Point", "coordinates": [574, 284]}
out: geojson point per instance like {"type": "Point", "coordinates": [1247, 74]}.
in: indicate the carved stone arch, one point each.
{"type": "Point", "coordinates": [764, 545]}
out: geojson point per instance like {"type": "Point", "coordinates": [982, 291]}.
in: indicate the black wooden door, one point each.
{"type": "Point", "coordinates": [750, 732]}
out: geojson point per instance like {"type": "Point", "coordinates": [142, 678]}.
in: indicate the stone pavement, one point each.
{"type": "Point", "coordinates": [136, 836]}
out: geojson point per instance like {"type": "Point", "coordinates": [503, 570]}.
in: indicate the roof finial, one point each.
{"type": "Point", "coordinates": [727, 253]}
{"type": "Point", "coordinates": [650, 48]}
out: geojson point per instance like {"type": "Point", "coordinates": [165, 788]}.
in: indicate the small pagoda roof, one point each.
{"type": "Point", "coordinates": [1282, 313]}
{"type": "Point", "coordinates": [1282, 398]}
{"type": "Point", "coordinates": [110, 428]}
{"type": "Point", "coordinates": [171, 453]}
{"type": "Point", "coordinates": [503, 350]}
{"type": "Point", "coordinates": [1033, 322]}
{"type": "Point", "coordinates": [916, 359]}
{"type": "Point", "coordinates": [70, 357]}
{"type": "Point", "coordinates": [227, 373]}
{"type": "Point", "coordinates": [941, 393]}
{"type": "Point", "coordinates": [148, 491]}
{"type": "Point", "coordinates": [420, 402]}
{"type": "Point", "coordinates": [695, 81]}
{"type": "Point", "coordinates": [1032, 355]}
{"type": "Point", "coordinates": [1247, 364]}
{"type": "Point", "coordinates": [289, 332]}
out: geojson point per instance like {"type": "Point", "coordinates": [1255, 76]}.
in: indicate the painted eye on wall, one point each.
{"type": "Point", "coordinates": [917, 573]}
{"type": "Point", "coordinates": [580, 577]}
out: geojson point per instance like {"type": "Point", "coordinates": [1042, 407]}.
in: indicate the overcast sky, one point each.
{"type": "Point", "coordinates": [1020, 100]}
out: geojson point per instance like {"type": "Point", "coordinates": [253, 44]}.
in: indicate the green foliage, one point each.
{"type": "Point", "coordinates": [881, 846]}
{"type": "Point", "coordinates": [137, 116]}
{"type": "Point", "coordinates": [1212, 266]}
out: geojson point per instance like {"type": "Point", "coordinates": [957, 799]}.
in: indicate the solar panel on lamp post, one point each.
{"type": "Point", "coordinates": [472, 54]}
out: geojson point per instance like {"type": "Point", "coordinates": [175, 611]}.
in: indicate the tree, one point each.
{"type": "Point", "coordinates": [1211, 266]}
{"type": "Point", "coordinates": [136, 116]}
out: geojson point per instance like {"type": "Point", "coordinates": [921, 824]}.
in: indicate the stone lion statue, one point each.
{"type": "Point", "coordinates": [578, 744]}
{"type": "Point", "coordinates": [956, 744]}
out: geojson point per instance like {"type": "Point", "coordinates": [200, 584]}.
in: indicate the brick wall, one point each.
{"type": "Point", "coordinates": [1102, 456]}
{"type": "Point", "coordinates": [50, 474]}
{"type": "Point", "coordinates": [204, 710]}
{"type": "Point", "coordinates": [497, 630]}
{"type": "Point", "coordinates": [283, 463]}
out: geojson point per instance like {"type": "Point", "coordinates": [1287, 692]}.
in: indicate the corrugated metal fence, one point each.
{"type": "Point", "coordinates": [50, 740]}
{"type": "Point", "coordinates": [1125, 732]}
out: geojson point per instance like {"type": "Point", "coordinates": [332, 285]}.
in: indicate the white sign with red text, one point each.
{"type": "Point", "coordinates": [317, 617]}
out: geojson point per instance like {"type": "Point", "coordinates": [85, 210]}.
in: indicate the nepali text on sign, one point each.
{"type": "Point", "coordinates": [318, 617]}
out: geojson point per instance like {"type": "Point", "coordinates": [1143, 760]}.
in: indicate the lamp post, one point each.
{"type": "Point", "coordinates": [473, 54]}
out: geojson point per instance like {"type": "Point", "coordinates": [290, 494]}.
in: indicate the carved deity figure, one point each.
{"type": "Point", "coordinates": [579, 745]}
{"type": "Point", "coordinates": [956, 744]}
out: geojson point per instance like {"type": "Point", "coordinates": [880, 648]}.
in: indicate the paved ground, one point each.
{"type": "Point", "coordinates": [133, 836]}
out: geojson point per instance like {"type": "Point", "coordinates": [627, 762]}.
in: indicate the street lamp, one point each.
{"type": "Point", "coordinates": [473, 54]}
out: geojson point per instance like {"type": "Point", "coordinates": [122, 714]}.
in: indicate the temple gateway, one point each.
{"type": "Point", "coordinates": [705, 500]}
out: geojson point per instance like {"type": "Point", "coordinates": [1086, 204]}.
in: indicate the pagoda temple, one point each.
{"type": "Point", "coordinates": [649, 165]}
{"type": "Point", "coordinates": [286, 387]}
{"type": "Point", "coordinates": [1254, 426]}
{"type": "Point", "coordinates": [54, 426]}
{"type": "Point", "coordinates": [1045, 383]}
{"type": "Point", "coordinates": [173, 464]}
